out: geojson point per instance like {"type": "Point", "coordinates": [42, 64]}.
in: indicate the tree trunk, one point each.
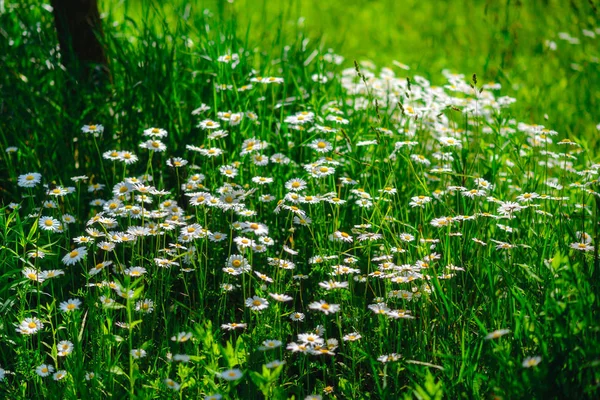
{"type": "Point", "coordinates": [79, 31]}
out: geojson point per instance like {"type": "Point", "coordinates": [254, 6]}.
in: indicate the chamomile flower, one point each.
{"type": "Point", "coordinates": [29, 326]}
{"type": "Point", "coordinates": [497, 334]}
{"type": "Point", "coordinates": [231, 374]}
{"type": "Point", "coordinates": [155, 132]}
{"type": "Point", "coordinates": [29, 180]}
{"type": "Point", "coordinates": [138, 353]}
{"type": "Point", "coordinates": [44, 370]}
{"type": "Point", "coordinates": [64, 348]}
{"type": "Point", "coordinates": [153, 145]}
{"type": "Point", "coordinates": [531, 361]}
{"type": "Point", "coordinates": [74, 256]}
{"type": "Point", "coordinates": [94, 129]}
{"type": "Point", "coordinates": [324, 307]}
{"type": "Point", "coordinates": [59, 375]}
{"type": "Point", "coordinates": [70, 305]}
{"type": "Point", "coordinates": [256, 303]}
{"type": "Point", "coordinates": [171, 384]}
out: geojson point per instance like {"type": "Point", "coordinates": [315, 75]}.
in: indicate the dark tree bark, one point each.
{"type": "Point", "coordinates": [79, 31]}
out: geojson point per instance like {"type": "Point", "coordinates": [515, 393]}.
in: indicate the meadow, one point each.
{"type": "Point", "coordinates": [303, 200]}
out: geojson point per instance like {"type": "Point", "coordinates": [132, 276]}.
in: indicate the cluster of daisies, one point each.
{"type": "Point", "coordinates": [235, 205]}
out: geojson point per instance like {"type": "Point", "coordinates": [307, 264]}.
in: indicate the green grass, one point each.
{"type": "Point", "coordinates": [483, 248]}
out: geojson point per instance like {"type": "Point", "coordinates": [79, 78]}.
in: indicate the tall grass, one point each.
{"type": "Point", "coordinates": [347, 230]}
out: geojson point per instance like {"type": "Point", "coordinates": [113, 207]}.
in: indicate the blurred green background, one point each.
{"type": "Point", "coordinates": [543, 52]}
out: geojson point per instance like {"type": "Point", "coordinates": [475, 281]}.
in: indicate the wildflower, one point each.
{"type": "Point", "coordinates": [582, 246]}
{"type": "Point", "coordinates": [320, 146]}
{"type": "Point", "coordinates": [531, 361]}
{"type": "Point", "coordinates": [184, 358]}
{"type": "Point", "coordinates": [182, 337]}
{"type": "Point", "coordinates": [138, 353]}
{"type": "Point", "coordinates": [29, 326]}
{"type": "Point", "coordinates": [281, 297]}
{"type": "Point", "coordinates": [94, 129]}
{"type": "Point", "coordinates": [176, 162]}
{"type": "Point", "coordinates": [70, 305]}
{"type": "Point", "coordinates": [228, 171]}
{"type": "Point", "coordinates": [171, 384]}
{"type": "Point", "coordinates": [33, 274]}
{"type": "Point", "coordinates": [257, 303]}
{"type": "Point", "coordinates": [388, 358]}
{"type": "Point", "coordinates": [29, 180]}
{"type": "Point", "coordinates": [508, 208]}
{"type": "Point", "coordinates": [146, 306]}
{"type": "Point", "coordinates": [58, 375]}
{"type": "Point", "coordinates": [74, 256]}
{"type": "Point", "coordinates": [155, 132]}
{"type": "Point", "coordinates": [330, 285]}
{"type": "Point", "coordinates": [379, 308]}
{"type": "Point", "coordinates": [266, 80]}
{"type": "Point", "coordinates": [231, 374]}
{"type": "Point", "coordinates": [49, 224]}
{"type": "Point", "coordinates": [274, 364]}
{"type": "Point", "coordinates": [135, 271]}
{"type": "Point", "coordinates": [295, 184]}
{"type": "Point", "coordinates": [209, 124]}
{"type": "Point", "coordinates": [341, 237]}
{"type": "Point", "coordinates": [127, 157]}
{"type": "Point", "coordinates": [352, 337]}
{"type": "Point", "coordinates": [497, 334]}
{"type": "Point", "coordinates": [233, 326]}
{"type": "Point", "coordinates": [44, 370]}
{"type": "Point", "coordinates": [270, 345]}
{"type": "Point", "coordinates": [324, 307]}
{"type": "Point", "coordinates": [153, 145]}
{"type": "Point", "coordinates": [65, 348]}
{"type": "Point", "coordinates": [297, 317]}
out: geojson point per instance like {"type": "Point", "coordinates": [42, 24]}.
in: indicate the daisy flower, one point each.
{"type": "Point", "coordinates": [324, 307]}
{"type": "Point", "coordinates": [155, 132]}
{"type": "Point", "coordinates": [231, 374]}
{"type": "Point", "coordinates": [320, 146]}
{"type": "Point", "coordinates": [29, 326]}
{"type": "Point", "coordinates": [138, 353]}
{"type": "Point", "coordinates": [127, 157]}
{"type": "Point", "coordinates": [29, 180]}
{"type": "Point", "coordinates": [146, 306]}
{"type": "Point", "coordinates": [256, 303]}
{"type": "Point", "coordinates": [497, 334]}
{"type": "Point", "coordinates": [153, 145]}
{"type": "Point", "coordinates": [44, 370]}
{"type": "Point", "coordinates": [94, 129]}
{"type": "Point", "coordinates": [182, 337]}
{"type": "Point", "coordinates": [531, 361]}
{"type": "Point", "coordinates": [58, 375]}
{"type": "Point", "coordinates": [33, 274]}
{"type": "Point", "coordinates": [74, 256]}
{"type": "Point", "coordinates": [70, 305]}
{"type": "Point", "coordinates": [65, 348]}
{"type": "Point", "coordinates": [171, 384]}
{"type": "Point", "coordinates": [352, 337]}
{"type": "Point", "coordinates": [297, 317]}
{"type": "Point", "coordinates": [233, 326]}
{"type": "Point", "coordinates": [176, 162]}
{"type": "Point", "coordinates": [209, 124]}
{"type": "Point", "coordinates": [281, 297]}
